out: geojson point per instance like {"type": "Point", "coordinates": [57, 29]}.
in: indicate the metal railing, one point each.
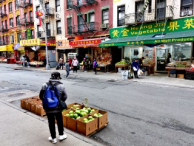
{"type": "Point", "coordinates": [41, 34]}
{"type": "Point", "coordinates": [150, 15]}
{"type": "Point", "coordinates": [2, 14]}
{"type": "Point", "coordinates": [3, 28]}
{"type": "Point", "coordinates": [186, 13]}
{"type": "Point", "coordinates": [25, 3]}
{"type": "Point", "coordinates": [84, 28]}
{"type": "Point", "coordinates": [79, 3]}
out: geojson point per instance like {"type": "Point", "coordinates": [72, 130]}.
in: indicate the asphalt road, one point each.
{"type": "Point", "coordinates": [139, 114]}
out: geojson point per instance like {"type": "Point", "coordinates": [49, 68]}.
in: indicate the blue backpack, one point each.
{"type": "Point", "coordinates": [50, 99]}
{"type": "Point", "coordinates": [95, 64]}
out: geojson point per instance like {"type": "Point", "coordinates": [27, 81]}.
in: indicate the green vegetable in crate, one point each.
{"type": "Point", "coordinates": [75, 105]}
{"type": "Point", "coordinates": [92, 111]}
{"type": "Point", "coordinates": [89, 119]}
{"type": "Point", "coordinates": [75, 116]}
{"type": "Point", "coordinates": [71, 112]}
{"type": "Point", "coordinates": [78, 118]}
{"type": "Point", "coordinates": [97, 115]}
{"type": "Point", "coordinates": [67, 115]}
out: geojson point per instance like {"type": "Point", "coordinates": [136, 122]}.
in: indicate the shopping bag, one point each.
{"type": "Point", "coordinates": [134, 68]}
{"type": "Point", "coordinates": [140, 72]}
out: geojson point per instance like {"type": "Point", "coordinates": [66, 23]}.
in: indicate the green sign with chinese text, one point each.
{"type": "Point", "coordinates": [28, 33]}
{"type": "Point", "coordinates": [154, 28]}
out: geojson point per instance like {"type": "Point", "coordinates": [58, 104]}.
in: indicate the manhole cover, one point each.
{"type": "Point", "coordinates": [111, 81]}
{"type": "Point", "coordinates": [16, 94]}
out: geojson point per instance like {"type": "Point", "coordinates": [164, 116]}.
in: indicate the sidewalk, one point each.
{"type": "Point", "coordinates": [19, 128]}
{"type": "Point", "coordinates": [159, 79]}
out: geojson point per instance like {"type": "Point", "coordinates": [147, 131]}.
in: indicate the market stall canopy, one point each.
{"type": "Point", "coordinates": [182, 36]}
{"type": "Point", "coordinates": [86, 43]}
{"type": "Point", "coordinates": [6, 48]}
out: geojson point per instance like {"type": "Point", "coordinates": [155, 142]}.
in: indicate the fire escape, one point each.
{"type": "Point", "coordinates": [48, 13]}
{"type": "Point", "coordinates": [83, 26]}
{"type": "Point", "coordinates": [25, 21]}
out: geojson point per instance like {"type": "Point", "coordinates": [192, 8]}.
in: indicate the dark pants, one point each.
{"type": "Point", "coordinates": [67, 71]}
{"type": "Point", "coordinates": [95, 70]}
{"type": "Point", "coordinates": [75, 68]}
{"type": "Point", "coordinates": [85, 67]}
{"type": "Point", "coordinates": [51, 121]}
{"type": "Point", "coordinates": [135, 74]}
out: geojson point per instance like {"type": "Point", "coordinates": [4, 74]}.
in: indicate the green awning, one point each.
{"type": "Point", "coordinates": [182, 36]}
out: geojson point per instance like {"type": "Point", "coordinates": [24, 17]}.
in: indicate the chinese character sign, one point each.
{"type": "Point", "coordinates": [28, 33]}
{"type": "Point", "coordinates": [30, 42]}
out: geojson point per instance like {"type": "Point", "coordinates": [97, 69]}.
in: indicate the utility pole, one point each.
{"type": "Point", "coordinates": [44, 27]}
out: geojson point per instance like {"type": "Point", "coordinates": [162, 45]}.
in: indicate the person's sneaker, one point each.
{"type": "Point", "coordinates": [62, 137]}
{"type": "Point", "coordinates": [52, 140]}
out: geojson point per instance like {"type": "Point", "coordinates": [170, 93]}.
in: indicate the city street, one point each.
{"type": "Point", "coordinates": [140, 114]}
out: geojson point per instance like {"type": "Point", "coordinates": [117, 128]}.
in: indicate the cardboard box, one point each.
{"type": "Point", "coordinates": [102, 121]}
{"type": "Point", "coordinates": [29, 102]}
{"type": "Point", "coordinates": [71, 124]}
{"type": "Point", "coordinates": [65, 117]}
{"type": "Point", "coordinates": [23, 103]}
{"type": "Point", "coordinates": [40, 111]}
{"type": "Point", "coordinates": [180, 76]}
{"type": "Point", "coordinates": [70, 106]}
{"type": "Point", "coordinates": [33, 108]}
{"type": "Point", "coordinates": [87, 128]}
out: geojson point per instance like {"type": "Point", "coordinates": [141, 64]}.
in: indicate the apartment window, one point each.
{"type": "Point", "coordinates": [86, 17]}
{"type": "Point", "coordinates": [69, 26]}
{"type": "Point", "coordinates": [19, 36]}
{"type": "Point", "coordinates": [5, 24]}
{"type": "Point", "coordinates": [160, 9]}
{"type": "Point", "coordinates": [91, 21]}
{"type": "Point", "coordinates": [47, 6]}
{"type": "Point", "coordinates": [150, 6]}
{"type": "Point", "coordinates": [37, 8]}
{"type": "Point", "coordinates": [138, 9]}
{"type": "Point", "coordinates": [79, 2]}
{"type": "Point", "coordinates": [25, 16]}
{"type": "Point", "coordinates": [48, 31]}
{"type": "Point", "coordinates": [69, 2]}
{"type": "Point", "coordinates": [11, 22]}
{"type": "Point", "coordinates": [186, 8]}
{"type": "Point", "coordinates": [80, 23]}
{"type": "Point", "coordinates": [32, 34]}
{"type": "Point", "coordinates": [57, 5]}
{"type": "Point", "coordinates": [121, 16]}
{"type": "Point", "coordinates": [2, 23]}
{"type": "Point", "coordinates": [7, 39]}
{"type": "Point", "coordinates": [10, 7]}
{"type": "Point", "coordinates": [5, 9]}
{"type": "Point", "coordinates": [38, 31]}
{"type": "Point", "coordinates": [11, 39]}
{"type": "Point", "coordinates": [58, 27]}
{"type": "Point", "coordinates": [105, 18]}
{"type": "Point", "coordinates": [18, 20]}
{"type": "Point", "coordinates": [25, 35]}
{"type": "Point", "coordinates": [16, 5]}
{"type": "Point", "coordinates": [31, 16]}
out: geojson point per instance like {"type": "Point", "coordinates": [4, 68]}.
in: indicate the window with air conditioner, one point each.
{"type": "Point", "coordinates": [186, 8]}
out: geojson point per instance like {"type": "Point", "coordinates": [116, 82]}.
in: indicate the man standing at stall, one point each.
{"type": "Point", "coordinates": [135, 66]}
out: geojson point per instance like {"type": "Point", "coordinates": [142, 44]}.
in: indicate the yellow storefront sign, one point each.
{"type": "Point", "coordinates": [30, 42]}
{"type": "Point", "coordinates": [6, 48]}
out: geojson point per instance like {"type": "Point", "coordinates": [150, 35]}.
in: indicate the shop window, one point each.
{"type": "Point", "coordinates": [11, 22]}
{"type": "Point", "coordinates": [10, 7]}
{"type": "Point", "coordinates": [186, 8]}
{"type": "Point", "coordinates": [160, 9]}
{"type": "Point", "coordinates": [69, 26]}
{"type": "Point", "coordinates": [57, 5]}
{"type": "Point", "coordinates": [105, 16]}
{"type": "Point", "coordinates": [58, 27]}
{"type": "Point", "coordinates": [121, 16]}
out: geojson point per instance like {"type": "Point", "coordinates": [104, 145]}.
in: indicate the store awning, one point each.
{"type": "Point", "coordinates": [84, 43]}
{"type": "Point", "coordinates": [182, 36]}
{"type": "Point", "coordinates": [6, 48]}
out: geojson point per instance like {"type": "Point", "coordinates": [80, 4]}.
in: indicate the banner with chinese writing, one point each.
{"type": "Point", "coordinates": [28, 33]}
{"type": "Point", "coordinates": [86, 43]}
{"type": "Point", "coordinates": [15, 38]}
{"type": "Point", "coordinates": [30, 42]}
{"type": "Point", "coordinates": [154, 28]}
{"type": "Point", "coordinates": [63, 44]}
{"type": "Point", "coordinates": [158, 41]}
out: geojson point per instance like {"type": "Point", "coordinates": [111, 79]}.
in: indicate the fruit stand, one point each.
{"type": "Point", "coordinates": [122, 64]}
{"type": "Point", "coordinates": [77, 117]}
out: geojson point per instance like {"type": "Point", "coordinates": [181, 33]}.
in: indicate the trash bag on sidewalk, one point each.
{"type": "Point", "coordinates": [124, 74]}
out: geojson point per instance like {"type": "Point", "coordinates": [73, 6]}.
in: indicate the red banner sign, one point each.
{"type": "Point", "coordinates": [85, 43]}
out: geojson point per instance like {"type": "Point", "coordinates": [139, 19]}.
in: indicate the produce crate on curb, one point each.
{"type": "Point", "coordinates": [87, 128]}
{"type": "Point", "coordinates": [40, 111]}
{"type": "Point", "coordinates": [103, 120]}
{"type": "Point", "coordinates": [70, 106]}
{"type": "Point", "coordinates": [71, 124]}
{"type": "Point", "coordinates": [65, 117]}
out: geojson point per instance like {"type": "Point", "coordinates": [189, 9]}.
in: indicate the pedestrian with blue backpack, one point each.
{"type": "Point", "coordinates": [95, 65]}
{"type": "Point", "coordinates": [53, 96]}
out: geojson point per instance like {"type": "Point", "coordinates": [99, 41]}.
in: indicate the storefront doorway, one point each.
{"type": "Point", "coordinates": [161, 57]}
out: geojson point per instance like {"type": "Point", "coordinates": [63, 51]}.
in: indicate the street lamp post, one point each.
{"type": "Point", "coordinates": [47, 62]}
